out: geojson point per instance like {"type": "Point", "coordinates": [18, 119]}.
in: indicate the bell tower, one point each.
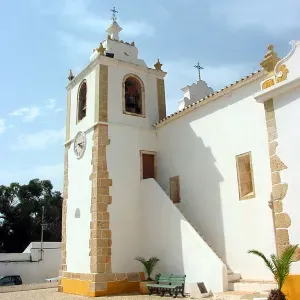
{"type": "Point", "coordinates": [111, 107]}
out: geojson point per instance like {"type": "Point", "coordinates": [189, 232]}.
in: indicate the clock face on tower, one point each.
{"type": "Point", "coordinates": [79, 144]}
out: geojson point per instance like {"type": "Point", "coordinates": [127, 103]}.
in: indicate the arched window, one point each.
{"type": "Point", "coordinates": [82, 92]}
{"type": "Point", "coordinates": [133, 95]}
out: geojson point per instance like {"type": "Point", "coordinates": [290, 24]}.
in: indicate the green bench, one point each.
{"type": "Point", "coordinates": [171, 284]}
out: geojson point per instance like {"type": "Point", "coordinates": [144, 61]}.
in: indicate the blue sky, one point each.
{"type": "Point", "coordinates": [41, 40]}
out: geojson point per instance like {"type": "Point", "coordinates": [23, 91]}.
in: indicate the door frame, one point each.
{"type": "Point", "coordinates": [141, 162]}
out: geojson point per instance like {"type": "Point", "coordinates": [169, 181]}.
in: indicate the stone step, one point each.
{"type": "Point", "coordinates": [259, 286]}
{"type": "Point", "coordinates": [233, 277]}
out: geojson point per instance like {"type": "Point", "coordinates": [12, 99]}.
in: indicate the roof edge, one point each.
{"type": "Point", "coordinates": [213, 96]}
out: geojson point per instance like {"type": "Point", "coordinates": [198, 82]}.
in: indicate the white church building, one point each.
{"type": "Point", "coordinates": [197, 189]}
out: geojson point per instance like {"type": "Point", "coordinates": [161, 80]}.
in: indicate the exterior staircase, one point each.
{"type": "Point", "coordinates": [235, 282]}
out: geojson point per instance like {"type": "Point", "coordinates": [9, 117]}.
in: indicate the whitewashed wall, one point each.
{"type": "Point", "coordinates": [166, 234]}
{"type": "Point", "coordinates": [80, 186]}
{"type": "Point", "coordinates": [201, 148]}
{"type": "Point", "coordinates": [128, 136]}
{"type": "Point", "coordinates": [79, 197]}
{"type": "Point", "coordinates": [34, 270]}
{"type": "Point", "coordinates": [287, 112]}
{"type": "Point", "coordinates": [123, 159]}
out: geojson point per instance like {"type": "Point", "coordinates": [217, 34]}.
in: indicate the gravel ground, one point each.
{"type": "Point", "coordinates": [51, 294]}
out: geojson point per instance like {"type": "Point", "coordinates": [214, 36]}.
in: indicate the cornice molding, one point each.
{"type": "Point", "coordinates": [277, 89]}
{"type": "Point", "coordinates": [88, 129]}
{"type": "Point", "coordinates": [117, 63]}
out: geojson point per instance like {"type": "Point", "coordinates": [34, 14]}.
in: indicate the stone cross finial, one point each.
{"type": "Point", "coordinates": [114, 17]}
{"type": "Point", "coordinates": [197, 66]}
{"type": "Point", "coordinates": [270, 59]}
{"type": "Point", "coordinates": [71, 76]}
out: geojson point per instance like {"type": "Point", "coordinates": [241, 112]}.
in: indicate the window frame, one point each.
{"type": "Point", "coordinates": [175, 180]}
{"type": "Point", "coordinates": [78, 101]}
{"type": "Point", "coordinates": [143, 113]}
{"type": "Point", "coordinates": [251, 194]}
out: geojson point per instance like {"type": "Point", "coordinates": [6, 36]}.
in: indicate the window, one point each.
{"type": "Point", "coordinates": [82, 92]}
{"type": "Point", "coordinates": [5, 281]}
{"type": "Point", "coordinates": [133, 101]}
{"type": "Point", "coordinates": [174, 189]}
{"type": "Point", "coordinates": [245, 176]}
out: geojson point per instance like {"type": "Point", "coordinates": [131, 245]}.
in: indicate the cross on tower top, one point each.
{"type": "Point", "coordinates": [114, 12]}
{"type": "Point", "coordinates": [197, 66]}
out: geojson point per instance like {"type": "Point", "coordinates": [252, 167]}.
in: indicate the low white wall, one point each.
{"type": "Point", "coordinates": [167, 235]}
{"type": "Point", "coordinates": [33, 269]}
{"type": "Point", "coordinates": [7, 257]}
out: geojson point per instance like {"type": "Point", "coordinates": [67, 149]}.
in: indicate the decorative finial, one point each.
{"type": "Point", "coordinates": [197, 66]}
{"type": "Point", "coordinates": [132, 44]}
{"type": "Point", "coordinates": [270, 59]}
{"type": "Point", "coordinates": [158, 65]}
{"type": "Point", "coordinates": [101, 49]}
{"type": "Point", "coordinates": [71, 76]}
{"type": "Point", "coordinates": [114, 12]}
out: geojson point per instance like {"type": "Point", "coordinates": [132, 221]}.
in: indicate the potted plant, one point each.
{"type": "Point", "coordinates": [280, 268]}
{"type": "Point", "coordinates": [149, 266]}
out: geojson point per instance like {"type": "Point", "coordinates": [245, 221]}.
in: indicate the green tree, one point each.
{"type": "Point", "coordinates": [21, 213]}
{"type": "Point", "coordinates": [280, 268]}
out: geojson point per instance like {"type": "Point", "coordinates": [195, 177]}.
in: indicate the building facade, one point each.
{"type": "Point", "coordinates": [198, 188]}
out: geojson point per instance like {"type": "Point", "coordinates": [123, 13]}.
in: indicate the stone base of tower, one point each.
{"type": "Point", "coordinates": [102, 284]}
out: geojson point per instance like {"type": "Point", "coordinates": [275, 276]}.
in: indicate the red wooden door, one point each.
{"type": "Point", "coordinates": [148, 166]}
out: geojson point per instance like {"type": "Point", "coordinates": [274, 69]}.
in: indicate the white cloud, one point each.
{"type": "Point", "coordinates": [182, 73]}
{"type": "Point", "coordinates": [79, 15]}
{"type": "Point", "coordinates": [76, 44]}
{"type": "Point", "coordinates": [59, 109]}
{"type": "Point", "coordinates": [51, 104]}
{"type": "Point", "coordinates": [39, 141]}
{"type": "Point", "coordinates": [80, 12]}
{"type": "Point", "coordinates": [273, 17]}
{"type": "Point", "coordinates": [2, 126]}
{"type": "Point", "coordinates": [54, 172]}
{"type": "Point", "coordinates": [137, 28]}
{"type": "Point", "coordinates": [28, 114]}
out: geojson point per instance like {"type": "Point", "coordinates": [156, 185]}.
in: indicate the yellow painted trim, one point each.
{"type": "Point", "coordinates": [251, 194]}
{"type": "Point", "coordinates": [83, 287]}
{"type": "Point", "coordinates": [291, 287]}
{"type": "Point", "coordinates": [161, 99]}
{"type": "Point", "coordinates": [97, 93]}
{"type": "Point", "coordinates": [75, 286]}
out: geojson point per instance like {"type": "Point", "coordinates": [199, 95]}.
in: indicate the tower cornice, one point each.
{"type": "Point", "coordinates": [117, 63]}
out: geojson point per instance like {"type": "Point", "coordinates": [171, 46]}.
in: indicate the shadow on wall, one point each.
{"type": "Point", "coordinates": [199, 184]}
{"type": "Point", "coordinates": [168, 235]}
{"type": "Point", "coordinates": [182, 152]}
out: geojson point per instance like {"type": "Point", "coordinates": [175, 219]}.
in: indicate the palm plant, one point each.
{"type": "Point", "coordinates": [280, 268]}
{"type": "Point", "coordinates": [148, 265]}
